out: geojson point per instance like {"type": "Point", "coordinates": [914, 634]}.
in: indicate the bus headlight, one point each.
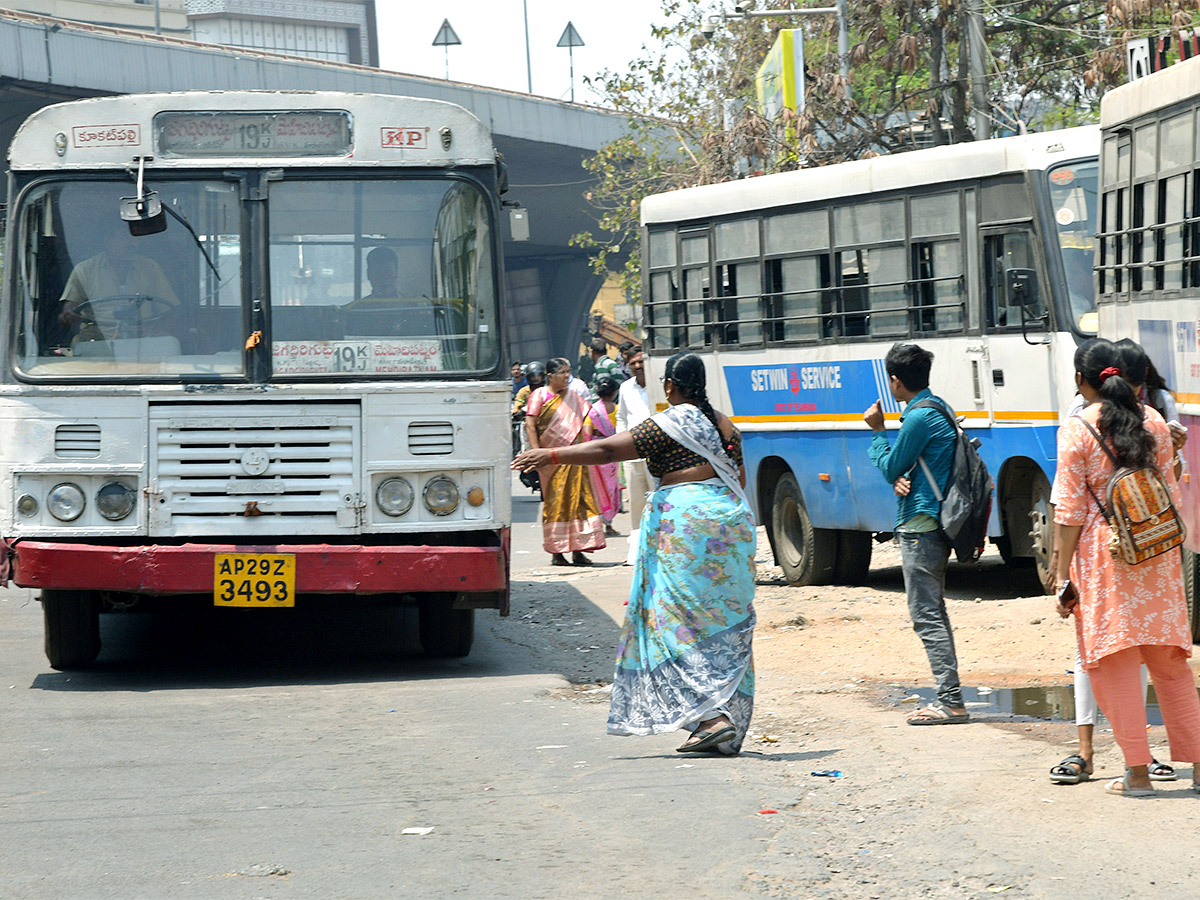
{"type": "Point", "coordinates": [27, 505]}
{"type": "Point", "coordinates": [115, 501]}
{"type": "Point", "coordinates": [441, 495]}
{"type": "Point", "coordinates": [394, 497]}
{"type": "Point", "coordinates": [66, 502]}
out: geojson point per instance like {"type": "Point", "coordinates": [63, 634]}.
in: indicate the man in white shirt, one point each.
{"type": "Point", "coordinates": [633, 408]}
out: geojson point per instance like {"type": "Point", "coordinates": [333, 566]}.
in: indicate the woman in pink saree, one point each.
{"type": "Point", "coordinates": [557, 417]}
{"type": "Point", "coordinates": [606, 484]}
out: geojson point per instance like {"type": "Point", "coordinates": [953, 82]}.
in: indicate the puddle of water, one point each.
{"type": "Point", "coordinates": [1049, 702]}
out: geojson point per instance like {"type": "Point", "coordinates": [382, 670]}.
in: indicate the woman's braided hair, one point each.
{"type": "Point", "coordinates": [686, 371]}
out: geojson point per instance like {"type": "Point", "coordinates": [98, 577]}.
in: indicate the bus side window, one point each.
{"type": "Point", "coordinates": [851, 296]}
{"type": "Point", "coordinates": [795, 288]}
{"type": "Point", "coordinates": [664, 292]}
{"type": "Point", "coordinates": [1003, 252]}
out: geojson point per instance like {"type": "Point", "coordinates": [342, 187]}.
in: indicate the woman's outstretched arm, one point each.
{"type": "Point", "coordinates": [617, 448]}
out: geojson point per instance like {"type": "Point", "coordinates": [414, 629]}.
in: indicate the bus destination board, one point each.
{"type": "Point", "coordinates": [234, 134]}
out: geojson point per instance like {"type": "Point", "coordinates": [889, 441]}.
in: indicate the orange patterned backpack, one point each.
{"type": "Point", "coordinates": [1143, 520]}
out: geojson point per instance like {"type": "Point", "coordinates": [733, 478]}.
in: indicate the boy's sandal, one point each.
{"type": "Point", "coordinates": [1120, 787]}
{"type": "Point", "coordinates": [1161, 771]}
{"type": "Point", "coordinates": [937, 714]}
{"type": "Point", "coordinates": [1071, 770]}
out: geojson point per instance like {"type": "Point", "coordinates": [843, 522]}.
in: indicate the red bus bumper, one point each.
{"type": "Point", "coordinates": [320, 568]}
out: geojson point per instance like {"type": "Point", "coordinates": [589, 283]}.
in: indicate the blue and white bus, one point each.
{"type": "Point", "coordinates": [1148, 269]}
{"type": "Point", "coordinates": [793, 287]}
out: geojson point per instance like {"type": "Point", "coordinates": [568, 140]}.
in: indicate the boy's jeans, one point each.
{"type": "Point", "coordinates": [923, 558]}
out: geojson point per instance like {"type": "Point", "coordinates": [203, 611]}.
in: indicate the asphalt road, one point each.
{"type": "Point", "coordinates": [250, 755]}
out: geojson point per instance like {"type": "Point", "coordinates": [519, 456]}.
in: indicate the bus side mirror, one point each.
{"type": "Point", "coordinates": [518, 223]}
{"type": "Point", "coordinates": [1022, 287]}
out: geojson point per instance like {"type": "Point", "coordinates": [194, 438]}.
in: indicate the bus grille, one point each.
{"type": "Point", "coordinates": [280, 469]}
{"type": "Point", "coordinates": [430, 438]}
{"type": "Point", "coordinates": [76, 441]}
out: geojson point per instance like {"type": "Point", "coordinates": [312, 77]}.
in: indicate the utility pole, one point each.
{"type": "Point", "coordinates": [978, 59]}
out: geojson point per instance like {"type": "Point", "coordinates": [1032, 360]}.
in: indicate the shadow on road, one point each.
{"type": "Point", "coordinates": [329, 644]}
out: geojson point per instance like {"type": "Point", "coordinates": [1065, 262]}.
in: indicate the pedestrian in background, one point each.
{"type": "Point", "coordinates": [556, 417]}
{"type": "Point", "coordinates": [633, 408]}
{"type": "Point", "coordinates": [606, 484]}
{"type": "Point", "coordinates": [685, 660]}
{"type": "Point", "coordinates": [624, 351]}
{"type": "Point", "coordinates": [925, 433]}
{"type": "Point", "coordinates": [603, 364]}
{"type": "Point", "coordinates": [1126, 615]}
{"type": "Point", "coordinates": [518, 378]}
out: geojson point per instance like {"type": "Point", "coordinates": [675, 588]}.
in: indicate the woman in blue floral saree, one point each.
{"type": "Point", "coordinates": [685, 656]}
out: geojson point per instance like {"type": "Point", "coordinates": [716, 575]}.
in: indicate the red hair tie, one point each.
{"type": "Point", "coordinates": [1105, 374]}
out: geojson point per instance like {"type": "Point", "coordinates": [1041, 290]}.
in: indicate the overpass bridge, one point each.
{"type": "Point", "coordinates": [550, 284]}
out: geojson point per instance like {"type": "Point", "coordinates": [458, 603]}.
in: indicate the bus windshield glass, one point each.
{"type": "Point", "coordinates": [1073, 197]}
{"type": "Point", "coordinates": [380, 277]}
{"type": "Point", "coordinates": [94, 300]}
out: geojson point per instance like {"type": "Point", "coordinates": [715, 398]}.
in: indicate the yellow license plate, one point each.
{"type": "Point", "coordinates": [254, 579]}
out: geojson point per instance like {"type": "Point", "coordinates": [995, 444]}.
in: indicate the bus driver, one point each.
{"type": "Point", "coordinates": [117, 272]}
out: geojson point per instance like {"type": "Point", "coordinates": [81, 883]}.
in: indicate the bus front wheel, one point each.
{"type": "Point", "coordinates": [806, 554]}
{"type": "Point", "coordinates": [444, 630]}
{"type": "Point", "coordinates": [72, 624]}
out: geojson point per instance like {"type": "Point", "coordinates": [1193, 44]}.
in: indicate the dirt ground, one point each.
{"type": "Point", "coordinates": [946, 812]}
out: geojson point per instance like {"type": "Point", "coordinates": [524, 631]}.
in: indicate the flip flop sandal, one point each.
{"type": "Point", "coordinates": [937, 714]}
{"type": "Point", "coordinates": [707, 740]}
{"type": "Point", "coordinates": [1120, 787]}
{"type": "Point", "coordinates": [1071, 770]}
{"type": "Point", "coordinates": [1161, 771]}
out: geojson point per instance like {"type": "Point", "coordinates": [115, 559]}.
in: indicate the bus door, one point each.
{"type": "Point", "coordinates": [1012, 374]}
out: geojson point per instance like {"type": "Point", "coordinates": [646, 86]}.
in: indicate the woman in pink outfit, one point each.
{"type": "Point", "coordinates": [1126, 615]}
{"type": "Point", "coordinates": [606, 484]}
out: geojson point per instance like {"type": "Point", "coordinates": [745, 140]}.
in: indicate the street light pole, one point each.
{"type": "Point", "coordinates": [528, 61]}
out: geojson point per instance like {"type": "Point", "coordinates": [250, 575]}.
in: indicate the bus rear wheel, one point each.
{"type": "Point", "coordinates": [72, 625]}
{"type": "Point", "coordinates": [1041, 532]}
{"type": "Point", "coordinates": [853, 557]}
{"type": "Point", "coordinates": [445, 631]}
{"type": "Point", "coordinates": [806, 554]}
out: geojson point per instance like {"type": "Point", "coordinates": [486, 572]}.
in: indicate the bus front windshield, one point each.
{"type": "Point", "coordinates": [1073, 198]}
{"type": "Point", "coordinates": [95, 300]}
{"type": "Point", "coordinates": [381, 277]}
{"type": "Point", "coordinates": [367, 278]}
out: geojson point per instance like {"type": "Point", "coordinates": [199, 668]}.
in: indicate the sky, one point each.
{"type": "Point", "coordinates": [493, 40]}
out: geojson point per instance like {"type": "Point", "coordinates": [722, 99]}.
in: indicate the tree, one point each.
{"type": "Point", "coordinates": [693, 111]}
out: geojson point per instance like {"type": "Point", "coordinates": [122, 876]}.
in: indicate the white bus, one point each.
{"type": "Point", "coordinates": [793, 287]}
{"type": "Point", "coordinates": [253, 351]}
{"type": "Point", "coordinates": [1148, 268]}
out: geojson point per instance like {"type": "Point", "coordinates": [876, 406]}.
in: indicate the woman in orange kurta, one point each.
{"type": "Point", "coordinates": [557, 417]}
{"type": "Point", "coordinates": [1126, 615]}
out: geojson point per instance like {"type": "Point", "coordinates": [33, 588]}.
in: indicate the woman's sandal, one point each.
{"type": "Point", "coordinates": [1071, 770]}
{"type": "Point", "coordinates": [707, 740]}
{"type": "Point", "coordinates": [1161, 771]}
{"type": "Point", "coordinates": [1120, 787]}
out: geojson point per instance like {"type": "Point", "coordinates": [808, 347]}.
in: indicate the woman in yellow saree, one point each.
{"type": "Point", "coordinates": [557, 417]}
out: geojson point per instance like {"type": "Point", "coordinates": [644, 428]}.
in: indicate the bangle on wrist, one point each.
{"type": "Point", "coordinates": [554, 456]}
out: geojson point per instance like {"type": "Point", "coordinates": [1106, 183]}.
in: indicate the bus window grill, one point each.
{"type": "Point", "coordinates": [77, 441]}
